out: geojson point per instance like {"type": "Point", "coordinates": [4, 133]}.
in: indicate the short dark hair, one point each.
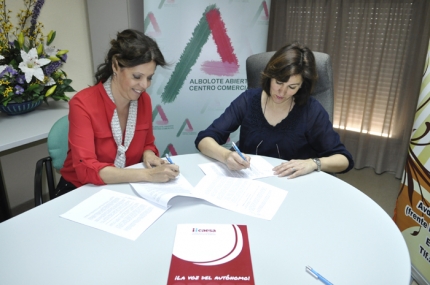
{"type": "Point", "coordinates": [292, 59]}
{"type": "Point", "coordinates": [130, 48]}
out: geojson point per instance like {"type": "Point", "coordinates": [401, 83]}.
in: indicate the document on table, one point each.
{"type": "Point", "coordinates": [259, 168]}
{"type": "Point", "coordinates": [161, 193]}
{"type": "Point", "coordinates": [117, 213]}
{"type": "Point", "coordinates": [242, 195]}
{"type": "Point", "coordinates": [129, 216]}
{"type": "Point", "coordinates": [246, 196]}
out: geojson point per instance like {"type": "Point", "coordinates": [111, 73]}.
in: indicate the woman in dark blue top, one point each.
{"type": "Point", "coordinates": [280, 120]}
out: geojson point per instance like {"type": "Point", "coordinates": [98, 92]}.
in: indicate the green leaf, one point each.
{"type": "Point", "coordinates": [13, 62]}
{"type": "Point", "coordinates": [69, 89]}
{"type": "Point", "coordinates": [6, 101]}
{"type": "Point", "coordinates": [52, 38]}
{"type": "Point", "coordinates": [64, 73]}
{"type": "Point", "coordinates": [67, 81]}
{"type": "Point", "coordinates": [34, 88]}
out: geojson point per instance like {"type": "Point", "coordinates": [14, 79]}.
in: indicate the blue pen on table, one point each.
{"type": "Point", "coordinates": [169, 159]}
{"type": "Point", "coordinates": [317, 275]}
{"type": "Point", "coordinates": [238, 151]}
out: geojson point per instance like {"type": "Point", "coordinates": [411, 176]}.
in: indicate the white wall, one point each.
{"type": "Point", "coordinates": [106, 18]}
{"type": "Point", "coordinates": [69, 19]}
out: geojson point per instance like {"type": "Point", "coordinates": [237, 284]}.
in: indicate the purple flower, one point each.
{"type": "Point", "coordinates": [10, 70]}
{"type": "Point", "coordinates": [20, 79]}
{"type": "Point", "coordinates": [36, 13]}
{"type": "Point", "coordinates": [19, 89]}
{"type": "Point", "coordinates": [64, 57]}
{"type": "Point", "coordinates": [52, 67]}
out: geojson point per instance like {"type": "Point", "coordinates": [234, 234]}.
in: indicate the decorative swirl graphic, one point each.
{"type": "Point", "coordinates": [232, 254]}
{"type": "Point", "coordinates": [416, 175]}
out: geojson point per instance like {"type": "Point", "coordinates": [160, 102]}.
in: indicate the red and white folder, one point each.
{"type": "Point", "coordinates": [211, 254]}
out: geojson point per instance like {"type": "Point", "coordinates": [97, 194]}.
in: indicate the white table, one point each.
{"type": "Point", "coordinates": [23, 129]}
{"type": "Point", "coordinates": [323, 222]}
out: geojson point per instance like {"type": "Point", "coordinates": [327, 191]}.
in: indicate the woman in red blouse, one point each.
{"type": "Point", "coordinates": [111, 122]}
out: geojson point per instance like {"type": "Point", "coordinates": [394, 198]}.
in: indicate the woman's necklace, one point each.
{"type": "Point", "coordinates": [267, 99]}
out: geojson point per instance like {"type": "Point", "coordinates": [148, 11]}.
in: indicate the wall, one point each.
{"type": "Point", "coordinates": [69, 20]}
{"type": "Point", "coordinates": [106, 18]}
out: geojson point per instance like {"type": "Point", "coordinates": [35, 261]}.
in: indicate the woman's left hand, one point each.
{"type": "Point", "coordinates": [295, 168]}
{"type": "Point", "coordinates": [150, 159]}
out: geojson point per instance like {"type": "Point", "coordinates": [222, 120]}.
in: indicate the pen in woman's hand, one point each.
{"type": "Point", "coordinates": [169, 159]}
{"type": "Point", "coordinates": [238, 151]}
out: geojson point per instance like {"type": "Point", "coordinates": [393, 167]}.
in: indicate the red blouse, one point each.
{"type": "Point", "coordinates": [91, 143]}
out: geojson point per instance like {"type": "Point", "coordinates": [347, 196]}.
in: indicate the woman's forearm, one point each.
{"type": "Point", "coordinates": [112, 175]}
{"type": "Point", "coordinates": [334, 163]}
{"type": "Point", "coordinates": [209, 147]}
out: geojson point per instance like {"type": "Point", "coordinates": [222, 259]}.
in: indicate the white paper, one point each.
{"type": "Point", "coordinates": [246, 196]}
{"type": "Point", "coordinates": [117, 213]}
{"type": "Point", "coordinates": [259, 168]}
{"type": "Point", "coordinates": [161, 193]}
{"type": "Point", "coordinates": [129, 216]}
{"type": "Point", "coordinates": [242, 195]}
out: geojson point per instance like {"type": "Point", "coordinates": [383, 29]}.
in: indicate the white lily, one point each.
{"type": "Point", "coordinates": [31, 65]}
{"type": "Point", "coordinates": [51, 51]}
{"type": "Point", "coordinates": [2, 67]}
{"type": "Point", "coordinates": [50, 82]}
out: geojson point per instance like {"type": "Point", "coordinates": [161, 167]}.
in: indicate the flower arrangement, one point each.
{"type": "Point", "coordinates": [29, 65]}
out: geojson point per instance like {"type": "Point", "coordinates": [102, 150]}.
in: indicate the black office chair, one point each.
{"type": "Point", "coordinates": [323, 90]}
{"type": "Point", "coordinates": [57, 148]}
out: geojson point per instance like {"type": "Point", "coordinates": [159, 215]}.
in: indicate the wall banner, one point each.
{"type": "Point", "coordinates": [413, 203]}
{"type": "Point", "coordinates": [206, 43]}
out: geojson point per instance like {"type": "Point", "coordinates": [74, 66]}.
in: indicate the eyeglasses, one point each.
{"type": "Point", "coordinates": [256, 149]}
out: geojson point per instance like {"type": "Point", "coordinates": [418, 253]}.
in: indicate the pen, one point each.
{"type": "Point", "coordinates": [317, 275]}
{"type": "Point", "coordinates": [169, 159]}
{"type": "Point", "coordinates": [238, 151]}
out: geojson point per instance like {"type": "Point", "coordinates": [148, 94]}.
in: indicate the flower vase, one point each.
{"type": "Point", "coordinates": [20, 108]}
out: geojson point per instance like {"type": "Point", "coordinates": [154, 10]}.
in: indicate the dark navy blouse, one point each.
{"type": "Point", "coordinates": [305, 133]}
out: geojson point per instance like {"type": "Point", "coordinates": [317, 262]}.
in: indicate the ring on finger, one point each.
{"type": "Point", "coordinates": [293, 169]}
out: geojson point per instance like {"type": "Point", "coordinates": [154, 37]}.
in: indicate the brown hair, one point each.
{"type": "Point", "coordinates": [130, 48]}
{"type": "Point", "coordinates": [292, 59]}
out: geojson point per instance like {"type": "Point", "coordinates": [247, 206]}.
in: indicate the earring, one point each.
{"type": "Point", "coordinates": [114, 74]}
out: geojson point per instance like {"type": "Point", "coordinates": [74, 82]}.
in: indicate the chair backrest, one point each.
{"type": "Point", "coordinates": [323, 90]}
{"type": "Point", "coordinates": [58, 142]}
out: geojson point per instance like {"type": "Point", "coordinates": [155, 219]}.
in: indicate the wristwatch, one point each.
{"type": "Point", "coordinates": [318, 162]}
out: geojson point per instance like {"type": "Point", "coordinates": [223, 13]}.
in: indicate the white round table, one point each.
{"type": "Point", "coordinates": [324, 223]}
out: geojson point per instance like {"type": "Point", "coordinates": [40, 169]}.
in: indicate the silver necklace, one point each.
{"type": "Point", "coordinates": [267, 99]}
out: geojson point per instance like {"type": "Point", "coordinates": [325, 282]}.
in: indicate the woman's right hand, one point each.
{"type": "Point", "coordinates": [235, 162]}
{"type": "Point", "coordinates": [162, 173]}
